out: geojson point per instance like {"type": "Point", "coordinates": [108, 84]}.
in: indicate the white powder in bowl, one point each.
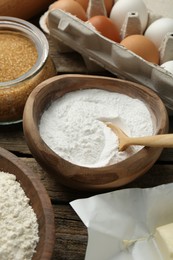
{"type": "Point", "coordinates": [72, 129]}
{"type": "Point", "coordinates": [18, 222]}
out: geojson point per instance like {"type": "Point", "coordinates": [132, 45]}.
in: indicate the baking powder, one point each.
{"type": "Point", "coordinates": [71, 126]}
{"type": "Point", "coordinates": [18, 222]}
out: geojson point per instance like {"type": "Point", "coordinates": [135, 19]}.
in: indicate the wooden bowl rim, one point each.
{"type": "Point", "coordinates": [43, 197]}
{"type": "Point", "coordinates": [28, 117]}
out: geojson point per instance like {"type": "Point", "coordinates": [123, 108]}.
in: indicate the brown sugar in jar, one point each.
{"type": "Point", "coordinates": [24, 63]}
{"type": "Point", "coordinates": [18, 54]}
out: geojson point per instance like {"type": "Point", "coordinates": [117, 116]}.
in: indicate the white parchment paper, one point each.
{"type": "Point", "coordinates": [121, 224]}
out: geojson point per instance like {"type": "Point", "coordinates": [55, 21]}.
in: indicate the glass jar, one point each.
{"type": "Point", "coordinates": [15, 91]}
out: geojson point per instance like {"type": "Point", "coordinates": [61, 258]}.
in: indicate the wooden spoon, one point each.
{"type": "Point", "coordinates": [164, 140]}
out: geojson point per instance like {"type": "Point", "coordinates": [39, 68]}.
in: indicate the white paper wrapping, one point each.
{"type": "Point", "coordinates": [123, 217]}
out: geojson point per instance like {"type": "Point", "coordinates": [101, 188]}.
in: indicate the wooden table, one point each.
{"type": "Point", "coordinates": [71, 234]}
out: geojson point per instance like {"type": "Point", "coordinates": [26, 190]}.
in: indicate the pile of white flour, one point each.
{"type": "Point", "coordinates": [18, 222]}
{"type": "Point", "coordinates": [71, 126]}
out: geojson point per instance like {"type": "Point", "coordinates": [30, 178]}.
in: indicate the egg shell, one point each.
{"type": "Point", "coordinates": [106, 27]}
{"type": "Point", "coordinates": [70, 6]}
{"type": "Point", "coordinates": [108, 4]}
{"type": "Point", "coordinates": [157, 30]}
{"type": "Point", "coordinates": [142, 46]}
{"type": "Point", "coordinates": [83, 3]}
{"type": "Point", "coordinates": [121, 8]}
{"type": "Point", "coordinates": [168, 65]}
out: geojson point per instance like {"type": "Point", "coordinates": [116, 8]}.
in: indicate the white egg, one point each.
{"type": "Point", "coordinates": [168, 65]}
{"type": "Point", "coordinates": [121, 9]}
{"type": "Point", "coordinates": [158, 30]}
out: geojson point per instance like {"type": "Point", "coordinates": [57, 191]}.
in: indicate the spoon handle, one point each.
{"type": "Point", "coordinates": [165, 140]}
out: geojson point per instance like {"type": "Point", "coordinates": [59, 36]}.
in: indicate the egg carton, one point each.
{"type": "Point", "coordinates": [71, 33]}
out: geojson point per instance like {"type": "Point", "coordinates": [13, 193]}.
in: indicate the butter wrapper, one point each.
{"type": "Point", "coordinates": [121, 224]}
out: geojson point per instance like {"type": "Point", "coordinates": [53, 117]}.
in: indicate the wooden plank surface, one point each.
{"type": "Point", "coordinates": [71, 234]}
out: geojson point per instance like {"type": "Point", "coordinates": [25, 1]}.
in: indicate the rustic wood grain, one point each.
{"type": "Point", "coordinates": [12, 138]}
{"type": "Point", "coordinates": [84, 178]}
{"type": "Point", "coordinates": [160, 173]}
{"type": "Point", "coordinates": [70, 62]}
{"type": "Point", "coordinates": [39, 200]}
{"type": "Point", "coordinates": [71, 234]}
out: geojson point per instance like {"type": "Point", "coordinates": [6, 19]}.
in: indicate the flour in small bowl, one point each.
{"type": "Point", "coordinates": [72, 128]}
{"type": "Point", "coordinates": [18, 222]}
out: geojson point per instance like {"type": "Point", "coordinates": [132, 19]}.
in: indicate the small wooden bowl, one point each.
{"type": "Point", "coordinates": [39, 200]}
{"type": "Point", "coordinates": [83, 178]}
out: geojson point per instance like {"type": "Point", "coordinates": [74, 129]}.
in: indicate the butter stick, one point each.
{"type": "Point", "coordinates": [164, 239]}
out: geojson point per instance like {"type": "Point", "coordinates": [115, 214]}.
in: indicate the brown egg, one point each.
{"type": "Point", "coordinates": [142, 46]}
{"type": "Point", "coordinates": [106, 27]}
{"type": "Point", "coordinates": [70, 6]}
{"type": "Point", "coordinates": [83, 3]}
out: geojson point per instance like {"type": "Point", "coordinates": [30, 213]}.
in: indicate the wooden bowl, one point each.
{"type": "Point", "coordinates": [39, 201]}
{"type": "Point", "coordinates": [83, 178]}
